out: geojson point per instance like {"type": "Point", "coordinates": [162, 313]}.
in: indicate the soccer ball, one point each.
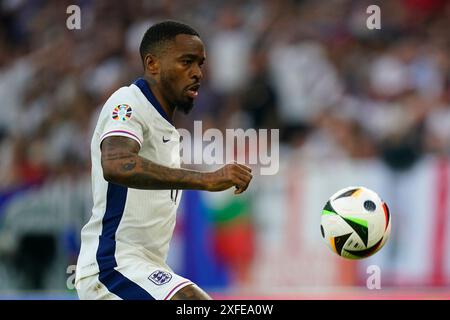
{"type": "Point", "coordinates": [355, 222]}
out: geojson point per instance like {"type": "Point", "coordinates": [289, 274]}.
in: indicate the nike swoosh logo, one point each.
{"type": "Point", "coordinates": [164, 140]}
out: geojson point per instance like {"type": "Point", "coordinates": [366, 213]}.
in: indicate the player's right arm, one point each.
{"type": "Point", "coordinates": [122, 165]}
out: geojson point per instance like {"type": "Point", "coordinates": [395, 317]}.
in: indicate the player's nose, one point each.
{"type": "Point", "coordinates": [197, 73]}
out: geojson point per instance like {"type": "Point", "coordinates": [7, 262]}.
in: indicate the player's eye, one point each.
{"type": "Point", "coordinates": [186, 62]}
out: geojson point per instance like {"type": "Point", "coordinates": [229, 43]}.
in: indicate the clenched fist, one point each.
{"type": "Point", "coordinates": [234, 174]}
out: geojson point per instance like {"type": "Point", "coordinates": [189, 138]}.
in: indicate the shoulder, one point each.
{"type": "Point", "coordinates": [124, 97]}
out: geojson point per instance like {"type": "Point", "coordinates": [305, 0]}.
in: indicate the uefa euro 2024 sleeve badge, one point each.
{"type": "Point", "coordinates": [122, 112]}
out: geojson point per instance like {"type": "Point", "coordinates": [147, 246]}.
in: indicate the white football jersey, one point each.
{"type": "Point", "coordinates": [126, 223]}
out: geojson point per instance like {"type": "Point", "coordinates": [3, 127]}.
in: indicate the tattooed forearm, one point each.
{"type": "Point", "coordinates": [122, 164]}
{"type": "Point", "coordinates": [119, 156]}
{"type": "Point", "coordinates": [141, 173]}
{"type": "Point", "coordinates": [149, 175]}
{"type": "Point", "coordinates": [129, 165]}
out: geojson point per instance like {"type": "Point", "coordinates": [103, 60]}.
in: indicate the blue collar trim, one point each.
{"type": "Point", "coordinates": [142, 84]}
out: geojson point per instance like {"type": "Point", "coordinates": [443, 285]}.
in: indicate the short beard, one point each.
{"type": "Point", "coordinates": [185, 107]}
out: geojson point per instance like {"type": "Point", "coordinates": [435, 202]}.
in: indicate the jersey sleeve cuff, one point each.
{"type": "Point", "coordinates": [122, 133]}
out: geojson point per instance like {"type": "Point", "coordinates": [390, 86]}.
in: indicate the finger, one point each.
{"type": "Point", "coordinates": [241, 183]}
{"type": "Point", "coordinates": [240, 189]}
{"type": "Point", "coordinates": [244, 177]}
{"type": "Point", "coordinates": [244, 171]}
{"type": "Point", "coordinates": [243, 166]}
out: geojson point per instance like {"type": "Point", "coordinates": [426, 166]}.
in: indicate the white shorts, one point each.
{"type": "Point", "coordinates": [140, 281]}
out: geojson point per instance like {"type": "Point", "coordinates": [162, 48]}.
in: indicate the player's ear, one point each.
{"type": "Point", "coordinates": [151, 63]}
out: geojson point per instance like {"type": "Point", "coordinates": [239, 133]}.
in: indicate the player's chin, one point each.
{"type": "Point", "coordinates": [186, 106]}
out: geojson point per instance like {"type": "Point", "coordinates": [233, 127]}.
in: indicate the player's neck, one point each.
{"type": "Point", "coordinates": [160, 97]}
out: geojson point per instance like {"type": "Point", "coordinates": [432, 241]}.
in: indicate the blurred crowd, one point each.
{"type": "Point", "coordinates": [312, 69]}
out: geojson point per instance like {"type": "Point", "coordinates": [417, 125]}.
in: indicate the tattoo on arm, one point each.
{"type": "Point", "coordinates": [122, 164]}
{"type": "Point", "coordinates": [129, 165]}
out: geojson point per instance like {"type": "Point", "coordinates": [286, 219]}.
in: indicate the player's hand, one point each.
{"type": "Point", "coordinates": [237, 175]}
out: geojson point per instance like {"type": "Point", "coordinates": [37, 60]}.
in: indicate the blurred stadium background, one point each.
{"type": "Point", "coordinates": [354, 107]}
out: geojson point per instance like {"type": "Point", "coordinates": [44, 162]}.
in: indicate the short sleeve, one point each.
{"type": "Point", "coordinates": [121, 118]}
